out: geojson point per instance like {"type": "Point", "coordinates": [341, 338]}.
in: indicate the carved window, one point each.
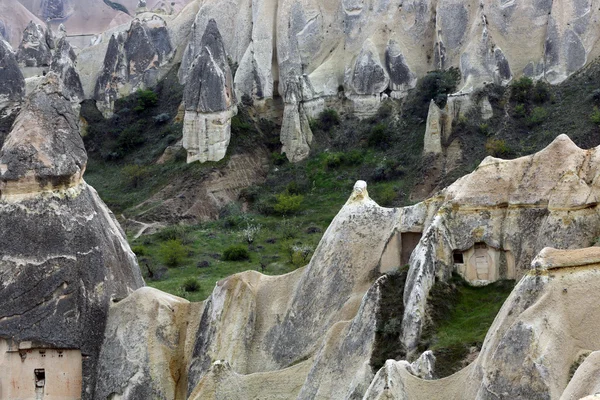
{"type": "Point", "coordinates": [458, 257]}
{"type": "Point", "coordinates": [40, 377]}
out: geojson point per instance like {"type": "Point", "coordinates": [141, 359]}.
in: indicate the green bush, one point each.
{"type": "Point", "coordinates": [384, 195]}
{"type": "Point", "coordinates": [520, 90]}
{"type": "Point", "coordinates": [278, 158]}
{"type": "Point", "coordinates": [333, 160]}
{"type": "Point", "coordinates": [326, 120]}
{"type": "Point", "coordinates": [239, 126]}
{"type": "Point", "coordinates": [520, 111]}
{"type": "Point", "coordinates": [191, 285]}
{"type": "Point", "coordinates": [595, 116]}
{"type": "Point", "coordinates": [180, 233]}
{"type": "Point", "coordinates": [134, 175]}
{"type": "Point", "coordinates": [538, 115]}
{"type": "Point", "coordinates": [145, 99]}
{"type": "Point", "coordinates": [288, 203]}
{"type": "Point", "coordinates": [140, 250]}
{"type": "Point", "coordinates": [129, 139]}
{"type": "Point", "coordinates": [541, 92]}
{"type": "Point", "coordinates": [236, 252]}
{"type": "Point", "coordinates": [484, 129]}
{"type": "Point", "coordinates": [378, 137]}
{"type": "Point", "coordinates": [172, 253]}
{"type": "Point", "coordinates": [497, 147]}
{"type": "Point", "coordinates": [436, 85]}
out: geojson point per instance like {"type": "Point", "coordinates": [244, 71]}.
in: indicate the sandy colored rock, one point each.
{"type": "Point", "coordinates": [506, 211]}
{"type": "Point", "coordinates": [542, 329]}
{"type": "Point", "coordinates": [144, 350]}
{"type": "Point", "coordinates": [209, 100]}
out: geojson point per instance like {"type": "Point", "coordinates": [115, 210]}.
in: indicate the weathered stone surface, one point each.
{"type": "Point", "coordinates": [511, 210]}
{"type": "Point", "coordinates": [64, 64]}
{"type": "Point", "coordinates": [34, 50]}
{"type": "Point", "coordinates": [64, 257]}
{"type": "Point", "coordinates": [132, 61]}
{"type": "Point", "coordinates": [144, 349]}
{"type": "Point", "coordinates": [14, 18]}
{"type": "Point", "coordinates": [12, 83]}
{"type": "Point", "coordinates": [309, 320]}
{"type": "Point", "coordinates": [543, 328]}
{"type": "Point", "coordinates": [209, 100]}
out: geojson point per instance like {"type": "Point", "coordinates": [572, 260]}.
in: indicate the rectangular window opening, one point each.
{"type": "Point", "coordinates": [40, 377]}
{"type": "Point", "coordinates": [458, 257]}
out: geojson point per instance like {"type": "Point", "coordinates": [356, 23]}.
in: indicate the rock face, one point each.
{"type": "Point", "coordinates": [64, 257]}
{"type": "Point", "coordinates": [12, 88]}
{"type": "Point", "coordinates": [209, 100]}
{"type": "Point", "coordinates": [132, 61]}
{"type": "Point", "coordinates": [14, 17]}
{"type": "Point", "coordinates": [543, 332]}
{"type": "Point", "coordinates": [144, 348]}
{"type": "Point", "coordinates": [490, 224]}
{"type": "Point", "coordinates": [64, 64]}
{"type": "Point", "coordinates": [34, 50]}
{"type": "Point", "coordinates": [261, 336]}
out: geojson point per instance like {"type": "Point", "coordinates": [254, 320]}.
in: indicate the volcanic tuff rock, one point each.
{"type": "Point", "coordinates": [132, 61]}
{"type": "Point", "coordinates": [64, 64]}
{"type": "Point", "coordinates": [64, 256]}
{"type": "Point", "coordinates": [209, 100]}
{"type": "Point", "coordinates": [34, 50]}
{"type": "Point", "coordinates": [273, 333]}
{"type": "Point", "coordinates": [507, 211]}
{"type": "Point", "coordinates": [144, 351]}
{"type": "Point", "coordinates": [14, 17]}
{"type": "Point", "coordinates": [12, 85]}
{"type": "Point", "coordinates": [542, 332]}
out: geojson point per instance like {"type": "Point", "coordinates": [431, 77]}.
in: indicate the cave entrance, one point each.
{"type": "Point", "coordinates": [409, 241]}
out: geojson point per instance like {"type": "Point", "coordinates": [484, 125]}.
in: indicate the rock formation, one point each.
{"type": "Point", "coordinates": [12, 88]}
{"type": "Point", "coordinates": [311, 334]}
{"type": "Point", "coordinates": [209, 100]}
{"type": "Point", "coordinates": [543, 332]}
{"type": "Point", "coordinates": [132, 61]}
{"type": "Point", "coordinates": [271, 333]}
{"type": "Point", "coordinates": [490, 224]}
{"type": "Point", "coordinates": [34, 50]}
{"type": "Point", "coordinates": [64, 64]}
{"type": "Point", "coordinates": [64, 258]}
{"type": "Point", "coordinates": [14, 17]}
{"type": "Point", "coordinates": [153, 365]}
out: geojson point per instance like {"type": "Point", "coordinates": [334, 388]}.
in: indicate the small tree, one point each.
{"type": "Point", "coordinates": [236, 253]}
{"type": "Point", "coordinates": [288, 203]}
{"type": "Point", "coordinates": [172, 253]}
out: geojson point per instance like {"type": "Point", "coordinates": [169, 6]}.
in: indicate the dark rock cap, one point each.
{"type": "Point", "coordinates": [63, 63]}
{"type": "Point", "coordinates": [209, 85]}
{"type": "Point", "coordinates": [12, 82]}
{"type": "Point", "coordinates": [44, 149]}
{"type": "Point", "coordinates": [34, 50]}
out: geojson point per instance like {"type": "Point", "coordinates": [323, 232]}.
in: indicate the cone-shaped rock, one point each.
{"type": "Point", "coordinates": [209, 101]}
{"type": "Point", "coordinates": [63, 256]}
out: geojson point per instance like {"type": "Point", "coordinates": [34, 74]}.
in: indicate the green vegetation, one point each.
{"type": "Point", "coordinates": [460, 318]}
{"type": "Point", "coordinates": [389, 320]}
{"type": "Point", "coordinates": [172, 253]}
{"type": "Point", "coordinates": [236, 253]}
{"type": "Point", "coordinates": [191, 285]}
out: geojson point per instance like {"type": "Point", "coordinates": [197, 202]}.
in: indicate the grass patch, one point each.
{"type": "Point", "coordinates": [461, 316]}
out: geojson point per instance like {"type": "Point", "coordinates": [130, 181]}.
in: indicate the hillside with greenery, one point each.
{"type": "Point", "coordinates": [276, 226]}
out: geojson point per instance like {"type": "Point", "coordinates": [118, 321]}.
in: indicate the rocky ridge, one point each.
{"type": "Point", "coordinates": [68, 259]}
